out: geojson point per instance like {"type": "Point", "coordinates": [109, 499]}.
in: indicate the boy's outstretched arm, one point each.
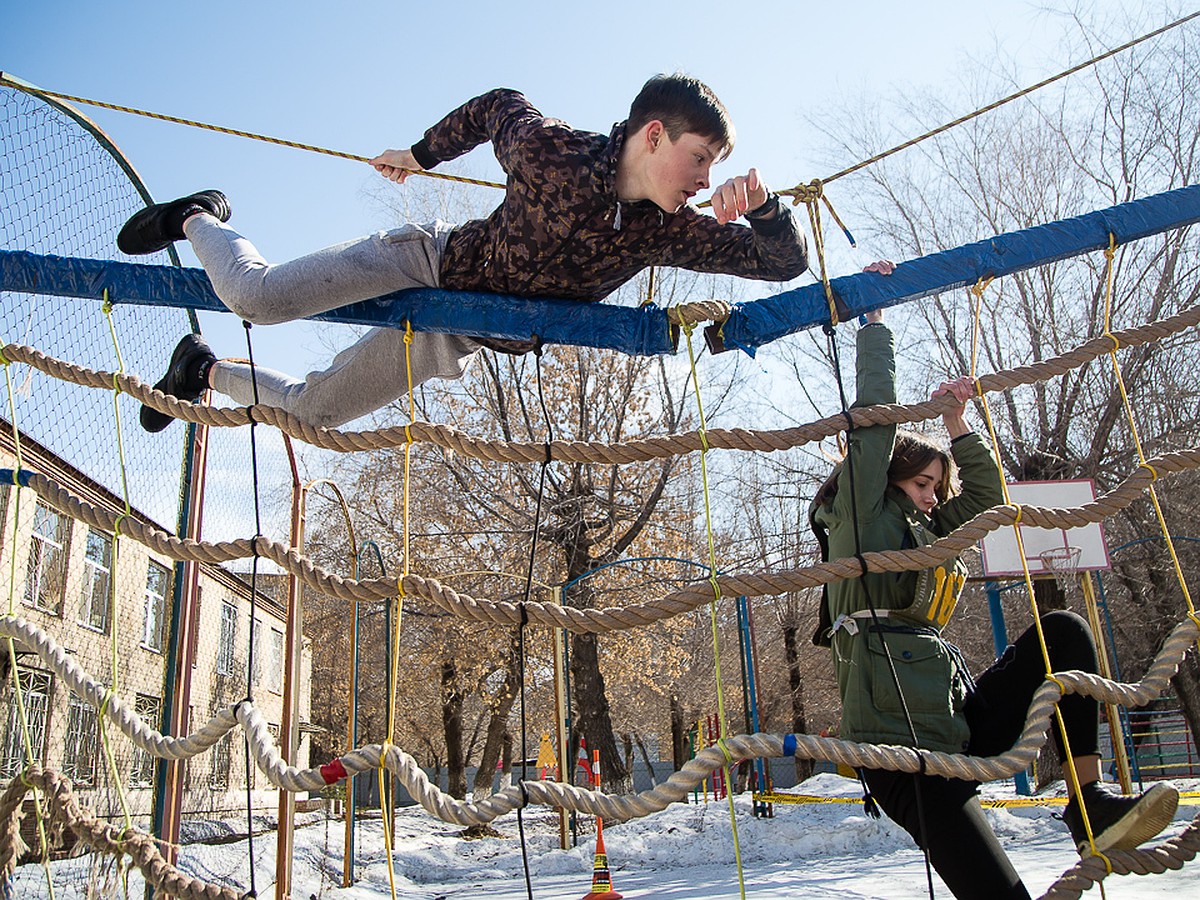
{"type": "Point", "coordinates": [396, 165]}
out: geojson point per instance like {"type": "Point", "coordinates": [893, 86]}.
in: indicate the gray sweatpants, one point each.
{"type": "Point", "coordinates": [371, 372]}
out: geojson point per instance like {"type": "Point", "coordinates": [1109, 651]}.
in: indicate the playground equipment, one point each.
{"type": "Point", "coordinates": [27, 270]}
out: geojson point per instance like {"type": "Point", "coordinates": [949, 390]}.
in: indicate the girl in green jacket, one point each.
{"type": "Point", "coordinates": [894, 492]}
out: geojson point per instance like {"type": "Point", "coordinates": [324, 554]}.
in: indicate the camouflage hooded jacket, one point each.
{"type": "Point", "coordinates": [561, 231]}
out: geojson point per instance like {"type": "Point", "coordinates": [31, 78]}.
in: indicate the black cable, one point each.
{"type": "Point", "coordinates": [876, 624]}
{"type": "Point", "coordinates": [533, 542]}
{"type": "Point", "coordinates": [253, 604]}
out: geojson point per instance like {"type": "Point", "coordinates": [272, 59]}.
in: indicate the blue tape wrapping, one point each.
{"type": "Point", "coordinates": [789, 745]}
{"type": "Point", "coordinates": [21, 478]}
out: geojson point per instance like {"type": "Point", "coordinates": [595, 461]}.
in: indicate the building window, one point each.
{"type": "Point", "coordinates": [46, 572]}
{"type": "Point", "coordinates": [150, 710]}
{"type": "Point", "coordinates": [97, 581]}
{"type": "Point", "coordinates": [275, 674]}
{"type": "Point", "coordinates": [218, 775]}
{"type": "Point", "coordinates": [79, 747]}
{"type": "Point", "coordinates": [158, 585]}
{"type": "Point", "coordinates": [35, 694]}
{"type": "Point", "coordinates": [225, 651]}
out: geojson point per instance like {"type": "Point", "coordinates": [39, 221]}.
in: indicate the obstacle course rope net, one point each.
{"type": "Point", "coordinates": [97, 372]}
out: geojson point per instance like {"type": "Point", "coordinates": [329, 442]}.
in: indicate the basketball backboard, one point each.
{"type": "Point", "coordinates": [1000, 555]}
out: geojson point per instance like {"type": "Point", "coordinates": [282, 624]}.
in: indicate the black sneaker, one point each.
{"type": "Point", "coordinates": [186, 379]}
{"type": "Point", "coordinates": [153, 228]}
{"type": "Point", "coordinates": [1119, 822]}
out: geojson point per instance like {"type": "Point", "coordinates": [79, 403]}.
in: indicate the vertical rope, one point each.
{"type": "Point", "coordinates": [722, 723]}
{"type": "Point", "coordinates": [395, 636]}
{"type": "Point", "coordinates": [253, 892]}
{"type": "Point", "coordinates": [114, 652]}
{"type": "Point", "coordinates": [18, 693]}
{"type": "Point", "coordinates": [1072, 776]}
{"type": "Point", "coordinates": [1109, 255]}
{"type": "Point", "coordinates": [533, 542]}
{"type": "Point", "coordinates": [814, 220]}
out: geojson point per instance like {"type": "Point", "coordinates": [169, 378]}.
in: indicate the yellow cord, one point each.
{"type": "Point", "coordinates": [114, 653]}
{"type": "Point", "coordinates": [722, 724]}
{"type": "Point", "coordinates": [18, 693]}
{"type": "Point", "coordinates": [1109, 257]}
{"type": "Point", "coordinates": [176, 120]}
{"type": "Point", "coordinates": [1069, 766]}
{"type": "Point", "coordinates": [395, 636]}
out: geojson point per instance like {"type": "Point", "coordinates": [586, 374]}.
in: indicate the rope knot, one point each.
{"type": "Point", "coordinates": [805, 193]}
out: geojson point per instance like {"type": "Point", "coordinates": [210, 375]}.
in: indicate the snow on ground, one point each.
{"type": "Point", "coordinates": [683, 853]}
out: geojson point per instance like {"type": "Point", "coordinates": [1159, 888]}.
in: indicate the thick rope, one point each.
{"type": "Point", "coordinates": [65, 813]}
{"type": "Point", "coordinates": [144, 853]}
{"type": "Point", "coordinates": [591, 451]}
{"type": "Point", "coordinates": [684, 600]}
{"type": "Point", "coordinates": [1169, 855]}
{"type": "Point", "coordinates": [676, 787]}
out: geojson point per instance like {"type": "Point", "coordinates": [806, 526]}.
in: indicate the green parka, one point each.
{"type": "Point", "coordinates": [914, 606]}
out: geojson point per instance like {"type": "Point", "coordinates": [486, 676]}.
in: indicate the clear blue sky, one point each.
{"type": "Point", "coordinates": [362, 77]}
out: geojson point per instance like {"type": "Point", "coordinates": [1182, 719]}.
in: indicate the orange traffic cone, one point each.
{"type": "Point", "coordinates": [601, 877]}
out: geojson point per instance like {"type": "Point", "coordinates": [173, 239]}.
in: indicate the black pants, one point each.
{"type": "Point", "coordinates": [962, 846]}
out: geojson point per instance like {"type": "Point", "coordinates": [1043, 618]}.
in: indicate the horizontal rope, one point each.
{"type": "Point", "coordinates": [107, 838]}
{"type": "Point", "coordinates": [676, 787]}
{"type": "Point", "coordinates": [684, 600]}
{"type": "Point", "coordinates": [1014, 96]}
{"type": "Point", "coordinates": [64, 812]}
{"type": "Point", "coordinates": [9, 81]}
{"type": "Point", "coordinates": [591, 451]}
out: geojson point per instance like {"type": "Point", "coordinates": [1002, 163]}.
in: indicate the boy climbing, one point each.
{"type": "Point", "coordinates": [582, 214]}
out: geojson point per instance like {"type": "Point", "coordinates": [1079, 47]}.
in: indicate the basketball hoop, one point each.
{"type": "Point", "coordinates": [1062, 563]}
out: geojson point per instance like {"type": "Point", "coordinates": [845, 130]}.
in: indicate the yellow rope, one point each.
{"type": "Point", "coordinates": [18, 692]}
{"type": "Point", "coordinates": [40, 92]}
{"type": "Point", "coordinates": [1109, 255]}
{"type": "Point", "coordinates": [114, 653]}
{"type": "Point", "coordinates": [395, 636]}
{"type": "Point", "coordinates": [1071, 774]}
{"type": "Point", "coordinates": [722, 724]}
{"type": "Point", "coordinates": [1015, 96]}
{"type": "Point", "coordinates": [812, 204]}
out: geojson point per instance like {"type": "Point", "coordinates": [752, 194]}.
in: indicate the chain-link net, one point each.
{"type": "Point", "coordinates": [65, 191]}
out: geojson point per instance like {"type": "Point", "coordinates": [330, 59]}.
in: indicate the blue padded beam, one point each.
{"type": "Point", "coordinates": [642, 331]}
{"type": "Point", "coordinates": [759, 322]}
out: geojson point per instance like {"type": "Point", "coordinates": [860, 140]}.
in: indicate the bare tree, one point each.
{"type": "Point", "coordinates": [1126, 129]}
